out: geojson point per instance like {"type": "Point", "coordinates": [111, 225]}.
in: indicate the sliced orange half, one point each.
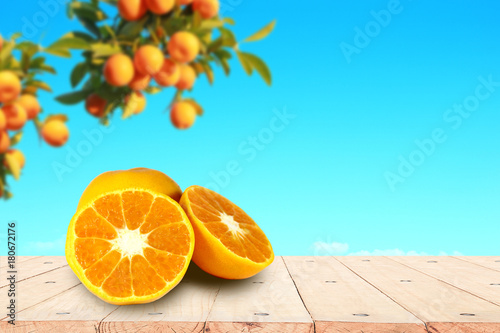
{"type": "Point", "coordinates": [130, 246]}
{"type": "Point", "coordinates": [229, 244]}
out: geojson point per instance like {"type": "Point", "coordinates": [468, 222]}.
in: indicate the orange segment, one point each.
{"type": "Point", "coordinates": [119, 282]}
{"type": "Point", "coordinates": [90, 250]}
{"type": "Point", "coordinates": [90, 224]}
{"type": "Point", "coordinates": [229, 244]}
{"type": "Point", "coordinates": [110, 207]}
{"type": "Point", "coordinates": [130, 246]}
{"type": "Point", "coordinates": [98, 272]}
{"type": "Point", "coordinates": [136, 207]}
{"type": "Point", "coordinates": [160, 214]}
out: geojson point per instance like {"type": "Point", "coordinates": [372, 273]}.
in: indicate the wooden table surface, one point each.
{"type": "Point", "coordinates": [294, 294]}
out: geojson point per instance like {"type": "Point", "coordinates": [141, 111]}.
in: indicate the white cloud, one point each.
{"type": "Point", "coordinates": [329, 249]}
{"type": "Point", "coordinates": [393, 252]}
{"type": "Point", "coordinates": [55, 247]}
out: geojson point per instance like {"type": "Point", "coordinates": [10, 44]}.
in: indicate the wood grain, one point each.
{"type": "Point", "coordinates": [340, 301]}
{"type": "Point", "coordinates": [488, 262]}
{"type": "Point", "coordinates": [184, 309]}
{"type": "Point", "coordinates": [40, 288]}
{"type": "Point", "coordinates": [266, 302]}
{"type": "Point", "coordinates": [477, 280]}
{"type": "Point", "coordinates": [29, 268]}
{"type": "Point", "coordinates": [431, 300]}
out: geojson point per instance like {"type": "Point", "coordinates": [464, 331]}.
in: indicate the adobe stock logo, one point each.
{"type": "Point", "coordinates": [250, 148]}
{"type": "Point", "coordinates": [48, 9]}
{"type": "Point", "coordinates": [454, 117]}
{"type": "Point", "coordinates": [364, 36]}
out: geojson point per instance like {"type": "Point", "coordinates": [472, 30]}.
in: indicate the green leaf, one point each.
{"type": "Point", "coordinates": [105, 49]}
{"type": "Point", "coordinates": [78, 74]}
{"type": "Point", "coordinates": [40, 85]}
{"type": "Point", "coordinates": [73, 97]}
{"type": "Point", "coordinates": [91, 26]}
{"type": "Point", "coordinates": [16, 138]}
{"type": "Point", "coordinates": [132, 28]}
{"type": "Point", "coordinates": [262, 33]}
{"type": "Point", "coordinates": [58, 52]}
{"type": "Point", "coordinates": [193, 103]}
{"type": "Point", "coordinates": [256, 63]}
{"type": "Point", "coordinates": [208, 71]}
{"type": "Point", "coordinates": [71, 43]}
{"type": "Point", "coordinates": [47, 68]}
{"type": "Point", "coordinates": [13, 165]}
{"type": "Point", "coordinates": [153, 90]}
{"type": "Point", "coordinates": [244, 62]}
{"type": "Point", "coordinates": [6, 51]}
{"type": "Point", "coordinates": [28, 48]}
{"type": "Point", "coordinates": [78, 34]}
{"type": "Point", "coordinates": [228, 38]}
{"type": "Point", "coordinates": [211, 24]}
{"type": "Point", "coordinates": [229, 21]}
{"type": "Point", "coordinates": [130, 106]}
{"type": "Point", "coordinates": [92, 15]}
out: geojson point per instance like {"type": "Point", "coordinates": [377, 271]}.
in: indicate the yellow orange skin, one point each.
{"type": "Point", "coordinates": [169, 74]}
{"type": "Point", "coordinates": [4, 142]}
{"type": "Point", "coordinates": [184, 2]}
{"type": "Point", "coordinates": [55, 132]}
{"type": "Point", "coordinates": [148, 59]}
{"type": "Point", "coordinates": [206, 8]}
{"type": "Point", "coordinates": [153, 180]}
{"type": "Point", "coordinates": [119, 70]}
{"type": "Point", "coordinates": [187, 78]}
{"type": "Point", "coordinates": [16, 116]}
{"type": "Point", "coordinates": [140, 81]}
{"type": "Point", "coordinates": [10, 86]}
{"type": "Point", "coordinates": [183, 115]}
{"type": "Point", "coordinates": [183, 46]}
{"type": "Point", "coordinates": [95, 105]}
{"type": "Point", "coordinates": [212, 256]}
{"type": "Point", "coordinates": [18, 156]}
{"type": "Point", "coordinates": [30, 105]}
{"type": "Point", "coordinates": [3, 120]}
{"type": "Point", "coordinates": [140, 102]}
{"type": "Point", "coordinates": [160, 7]}
{"type": "Point", "coordinates": [132, 10]}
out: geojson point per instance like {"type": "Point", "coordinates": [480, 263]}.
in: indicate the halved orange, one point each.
{"type": "Point", "coordinates": [229, 244]}
{"type": "Point", "coordinates": [130, 246]}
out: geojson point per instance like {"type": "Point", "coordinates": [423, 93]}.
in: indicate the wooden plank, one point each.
{"type": "Point", "coordinates": [442, 307]}
{"type": "Point", "coordinates": [40, 288]}
{"type": "Point", "coordinates": [74, 310]}
{"type": "Point", "coordinates": [477, 280]}
{"type": "Point", "coordinates": [340, 301]}
{"type": "Point", "coordinates": [184, 309]}
{"type": "Point", "coordinates": [35, 266]}
{"type": "Point", "coordinates": [488, 262]}
{"type": "Point", "coordinates": [267, 302]}
{"type": "Point", "coordinates": [19, 259]}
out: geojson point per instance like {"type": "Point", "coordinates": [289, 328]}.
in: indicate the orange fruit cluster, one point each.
{"type": "Point", "coordinates": [168, 68]}
{"type": "Point", "coordinates": [135, 233]}
{"type": "Point", "coordinates": [16, 109]}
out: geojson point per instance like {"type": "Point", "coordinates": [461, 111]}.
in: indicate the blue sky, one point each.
{"type": "Point", "coordinates": [342, 174]}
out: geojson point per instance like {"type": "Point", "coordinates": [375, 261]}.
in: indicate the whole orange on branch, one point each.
{"type": "Point", "coordinates": [21, 63]}
{"type": "Point", "coordinates": [148, 46]}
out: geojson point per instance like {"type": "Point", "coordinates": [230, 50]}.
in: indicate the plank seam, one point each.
{"type": "Point", "coordinates": [298, 292]}
{"type": "Point", "coordinates": [211, 307]}
{"type": "Point", "coordinates": [45, 300]}
{"type": "Point", "coordinates": [349, 268]}
{"type": "Point", "coordinates": [18, 281]}
{"type": "Point", "coordinates": [452, 285]}
{"type": "Point", "coordinates": [32, 258]}
{"type": "Point", "coordinates": [102, 320]}
{"type": "Point", "coordinates": [471, 262]}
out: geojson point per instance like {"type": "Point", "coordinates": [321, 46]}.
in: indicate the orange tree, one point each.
{"type": "Point", "coordinates": [151, 45]}
{"type": "Point", "coordinates": [20, 65]}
